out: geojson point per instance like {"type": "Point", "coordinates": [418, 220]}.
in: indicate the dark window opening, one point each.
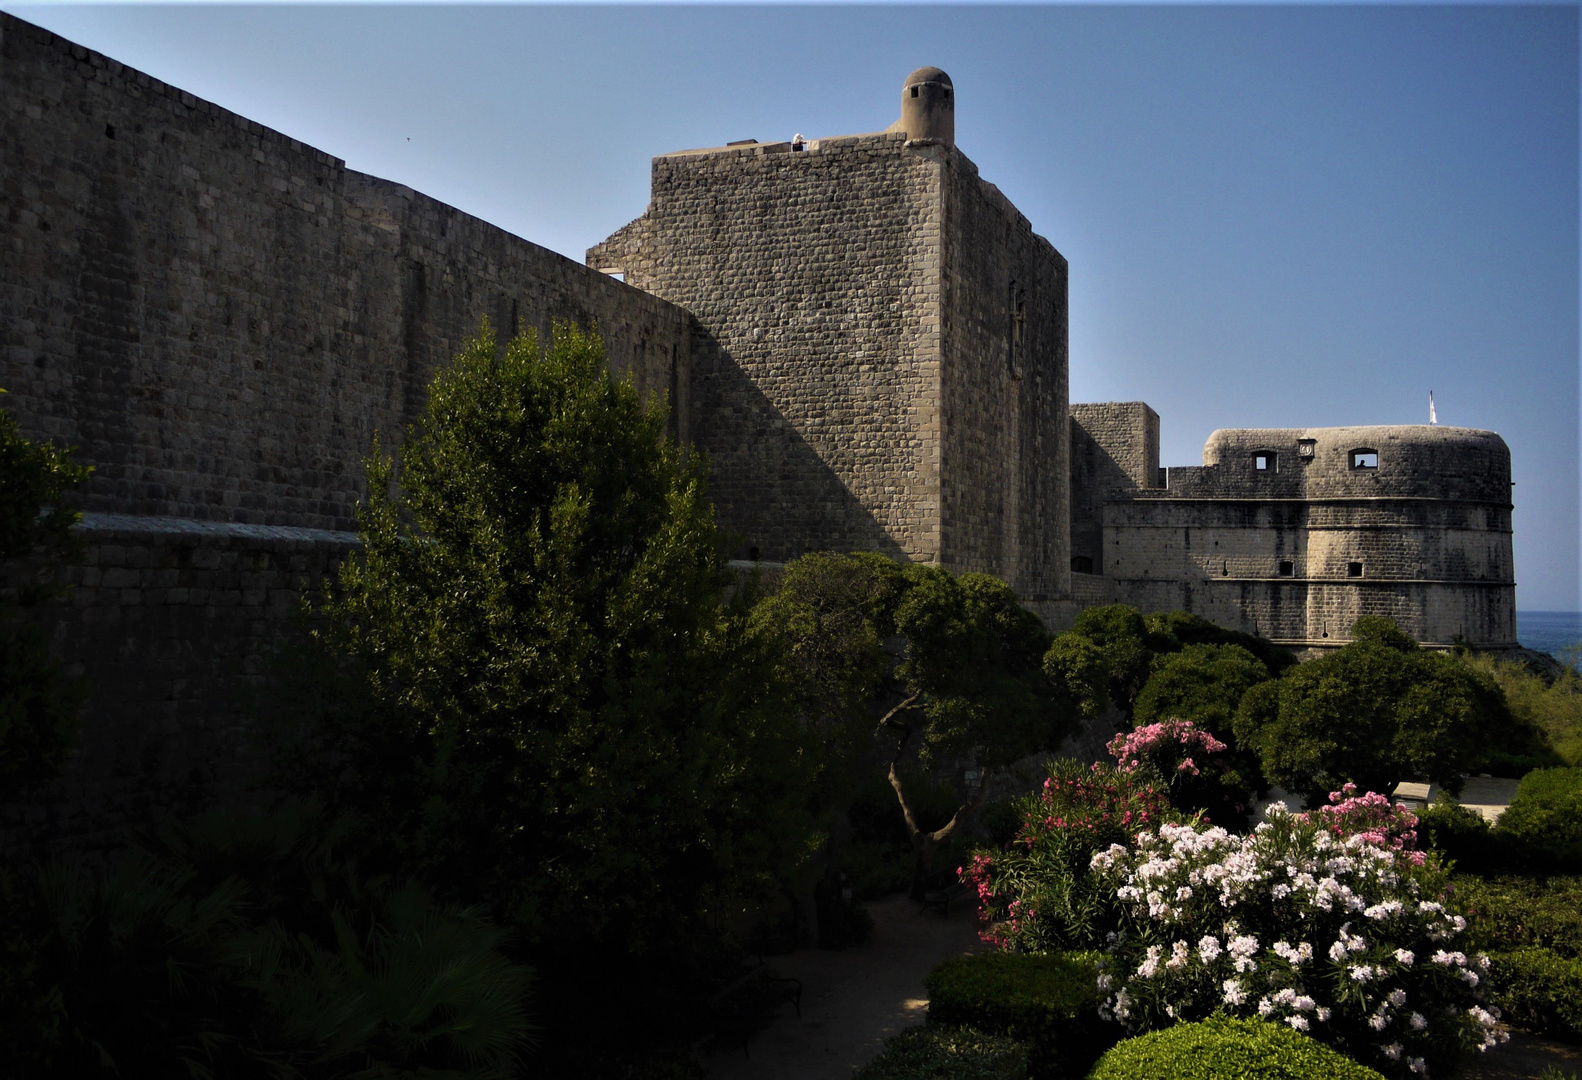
{"type": "Point", "coordinates": [1354, 569]}
{"type": "Point", "coordinates": [752, 554]}
{"type": "Point", "coordinates": [1224, 569]}
{"type": "Point", "coordinates": [1364, 459]}
{"type": "Point", "coordinates": [1264, 461]}
{"type": "Point", "coordinates": [914, 91]}
{"type": "Point", "coordinates": [1081, 564]}
{"type": "Point", "coordinates": [1287, 568]}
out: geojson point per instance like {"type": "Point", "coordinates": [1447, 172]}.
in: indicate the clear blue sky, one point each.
{"type": "Point", "coordinates": [1275, 216]}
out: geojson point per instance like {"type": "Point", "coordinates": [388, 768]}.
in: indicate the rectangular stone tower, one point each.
{"type": "Point", "coordinates": [880, 349]}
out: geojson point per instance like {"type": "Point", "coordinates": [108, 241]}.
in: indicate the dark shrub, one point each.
{"type": "Point", "coordinates": [1218, 1048]}
{"type": "Point", "coordinates": [1540, 991]}
{"type": "Point", "coordinates": [1544, 822]}
{"type": "Point", "coordinates": [1462, 836]}
{"type": "Point", "coordinates": [947, 1053]}
{"type": "Point", "coordinates": [1048, 1001]}
{"type": "Point", "coordinates": [1510, 913]}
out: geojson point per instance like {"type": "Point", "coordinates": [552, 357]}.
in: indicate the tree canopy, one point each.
{"type": "Point", "coordinates": [566, 716]}
{"type": "Point", "coordinates": [930, 663]}
{"type": "Point", "coordinates": [1374, 712]}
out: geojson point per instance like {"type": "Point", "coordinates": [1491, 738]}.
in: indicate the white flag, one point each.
{"type": "Point", "coordinates": [1433, 417]}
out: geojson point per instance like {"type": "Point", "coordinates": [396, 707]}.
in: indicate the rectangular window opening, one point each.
{"type": "Point", "coordinates": [1287, 568]}
{"type": "Point", "coordinates": [1364, 459]}
{"type": "Point", "coordinates": [1354, 569]}
{"type": "Point", "coordinates": [1264, 461]}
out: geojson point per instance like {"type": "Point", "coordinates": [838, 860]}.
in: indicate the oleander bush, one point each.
{"type": "Point", "coordinates": [1540, 990]}
{"type": "Point", "coordinates": [1326, 922]}
{"type": "Point", "coordinates": [1221, 1047]}
{"type": "Point", "coordinates": [1039, 893]}
{"type": "Point", "coordinates": [939, 1052]}
{"type": "Point", "coordinates": [1049, 1002]}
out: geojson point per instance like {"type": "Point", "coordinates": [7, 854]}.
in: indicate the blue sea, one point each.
{"type": "Point", "coordinates": [1549, 631]}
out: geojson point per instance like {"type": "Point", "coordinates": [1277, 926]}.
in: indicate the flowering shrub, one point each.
{"type": "Point", "coordinates": [1040, 894]}
{"type": "Point", "coordinates": [1339, 936]}
{"type": "Point", "coordinates": [1372, 817]}
{"type": "Point", "coordinates": [1193, 765]}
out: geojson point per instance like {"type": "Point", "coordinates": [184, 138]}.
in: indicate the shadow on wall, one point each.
{"type": "Point", "coordinates": [774, 496]}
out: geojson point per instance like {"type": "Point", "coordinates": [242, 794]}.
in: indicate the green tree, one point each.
{"type": "Point", "coordinates": [567, 720]}
{"type": "Point", "coordinates": [1377, 711]}
{"type": "Point", "coordinates": [38, 706]}
{"type": "Point", "coordinates": [1103, 659]}
{"type": "Point", "coordinates": [966, 684]}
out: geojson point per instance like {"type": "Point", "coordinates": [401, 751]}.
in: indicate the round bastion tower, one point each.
{"type": "Point", "coordinates": [928, 106]}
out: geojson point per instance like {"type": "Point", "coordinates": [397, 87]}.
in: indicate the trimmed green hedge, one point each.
{"type": "Point", "coordinates": [1049, 1002]}
{"type": "Point", "coordinates": [1545, 820]}
{"type": "Point", "coordinates": [1217, 1048]}
{"type": "Point", "coordinates": [1540, 991]}
{"type": "Point", "coordinates": [947, 1053]}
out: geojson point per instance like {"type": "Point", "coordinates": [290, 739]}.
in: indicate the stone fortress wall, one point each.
{"type": "Point", "coordinates": [867, 338]}
{"type": "Point", "coordinates": [221, 319]}
{"type": "Point", "coordinates": [880, 360]}
{"type": "Point", "coordinates": [1293, 534]}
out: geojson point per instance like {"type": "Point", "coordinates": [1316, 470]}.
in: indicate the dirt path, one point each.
{"type": "Point", "coordinates": [854, 999]}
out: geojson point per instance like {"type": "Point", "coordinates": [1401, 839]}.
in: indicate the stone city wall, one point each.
{"type": "Point", "coordinates": [1299, 549]}
{"type": "Point", "coordinates": [173, 625]}
{"type": "Point", "coordinates": [221, 318]}
{"type": "Point", "coordinates": [1114, 448]}
{"type": "Point", "coordinates": [814, 279]}
{"type": "Point", "coordinates": [1003, 391]}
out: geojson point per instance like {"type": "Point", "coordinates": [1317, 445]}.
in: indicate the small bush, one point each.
{"type": "Point", "coordinates": [1219, 1047]}
{"type": "Point", "coordinates": [1048, 1001]}
{"type": "Point", "coordinates": [947, 1053]}
{"type": "Point", "coordinates": [1462, 836]}
{"type": "Point", "coordinates": [1510, 913]}
{"type": "Point", "coordinates": [1540, 991]}
{"type": "Point", "coordinates": [1544, 821]}
{"type": "Point", "coordinates": [1039, 894]}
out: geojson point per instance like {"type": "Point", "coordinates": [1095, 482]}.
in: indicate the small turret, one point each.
{"type": "Point", "coordinates": [928, 106]}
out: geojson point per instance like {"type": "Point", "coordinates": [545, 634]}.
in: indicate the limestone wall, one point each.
{"type": "Point", "coordinates": [173, 625]}
{"type": "Point", "coordinates": [221, 317]}
{"type": "Point", "coordinates": [814, 279]}
{"type": "Point", "coordinates": [1003, 391]}
{"type": "Point", "coordinates": [1114, 448]}
{"type": "Point", "coordinates": [1418, 529]}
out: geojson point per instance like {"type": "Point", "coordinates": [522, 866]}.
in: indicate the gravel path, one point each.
{"type": "Point", "coordinates": [853, 999]}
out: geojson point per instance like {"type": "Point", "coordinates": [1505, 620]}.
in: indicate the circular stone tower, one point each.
{"type": "Point", "coordinates": [928, 106]}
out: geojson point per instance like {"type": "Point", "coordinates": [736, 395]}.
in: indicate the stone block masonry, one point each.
{"type": "Point", "coordinates": [222, 318]}
{"type": "Point", "coordinates": [173, 624]}
{"type": "Point", "coordinates": [880, 360]}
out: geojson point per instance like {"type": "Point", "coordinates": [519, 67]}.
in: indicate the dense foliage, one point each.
{"type": "Point", "coordinates": [1039, 893]}
{"type": "Point", "coordinates": [1222, 1047]}
{"type": "Point", "coordinates": [248, 947]}
{"type": "Point", "coordinates": [938, 1052]}
{"type": "Point", "coordinates": [1326, 923]}
{"type": "Point", "coordinates": [1048, 1002]}
{"type": "Point", "coordinates": [967, 685]}
{"type": "Point", "coordinates": [1373, 712]}
{"type": "Point", "coordinates": [566, 721]}
{"type": "Point", "coordinates": [1547, 714]}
